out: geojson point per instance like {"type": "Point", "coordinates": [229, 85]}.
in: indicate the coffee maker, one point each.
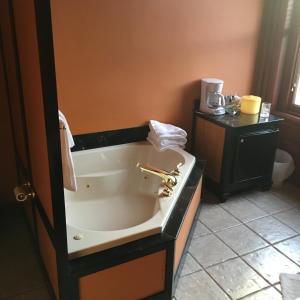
{"type": "Point", "coordinates": [212, 101]}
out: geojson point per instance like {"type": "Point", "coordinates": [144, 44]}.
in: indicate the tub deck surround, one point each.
{"type": "Point", "coordinates": [116, 203]}
{"type": "Point", "coordinates": [139, 248]}
{"type": "Point", "coordinates": [110, 138]}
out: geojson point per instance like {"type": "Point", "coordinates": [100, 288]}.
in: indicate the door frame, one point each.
{"type": "Point", "coordinates": [57, 233]}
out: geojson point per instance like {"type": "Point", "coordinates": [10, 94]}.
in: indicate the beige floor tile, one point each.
{"type": "Point", "coordinates": [190, 266]}
{"type": "Point", "coordinates": [198, 286]}
{"type": "Point", "coordinates": [270, 263]}
{"type": "Point", "coordinates": [243, 209]}
{"type": "Point", "coordinates": [268, 202]}
{"type": "Point", "coordinates": [271, 229]}
{"type": "Point", "coordinates": [237, 278]}
{"type": "Point", "coordinates": [200, 230]}
{"type": "Point", "coordinates": [241, 239]}
{"type": "Point", "coordinates": [278, 287]}
{"type": "Point", "coordinates": [290, 218]}
{"type": "Point", "coordinates": [209, 250]}
{"type": "Point", "coordinates": [288, 193]}
{"type": "Point", "coordinates": [216, 218]}
{"type": "Point", "coordinates": [291, 248]}
{"type": "Point", "coordinates": [265, 294]}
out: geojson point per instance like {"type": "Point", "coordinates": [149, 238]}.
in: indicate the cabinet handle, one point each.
{"type": "Point", "coordinates": [242, 140]}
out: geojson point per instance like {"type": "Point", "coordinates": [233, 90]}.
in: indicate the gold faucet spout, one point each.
{"type": "Point", "coordinates": [168, 179]}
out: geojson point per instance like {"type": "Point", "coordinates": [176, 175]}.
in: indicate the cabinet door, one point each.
{"type": "Point", "coordinates": [255, 153]}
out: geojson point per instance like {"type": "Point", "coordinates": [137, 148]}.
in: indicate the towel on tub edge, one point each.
{"type": "Point", "coordinates": [166, 136]}
{"type": "Point", "coordinates": [67, 142]}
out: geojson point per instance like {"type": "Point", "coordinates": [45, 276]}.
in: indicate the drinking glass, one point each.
{"type": "Point", "coordinates": [265, 110]}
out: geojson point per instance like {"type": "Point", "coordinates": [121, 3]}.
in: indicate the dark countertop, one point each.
{"type": "Point", "coordinates": [240, 120]}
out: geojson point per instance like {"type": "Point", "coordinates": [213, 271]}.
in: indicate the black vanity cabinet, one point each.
{"type": "Point", "coordinates": [254, 155]}
{"type": "Point", "coordinates": [239, 150]}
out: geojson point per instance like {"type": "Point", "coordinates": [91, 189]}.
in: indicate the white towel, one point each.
{"type": "Point", "coordinates": [162, 129]}
{"type": "Point", "coordinates": [290, 286]}
{"type": "Point", "coordinates": [165, 136]}
{"type": "Point", "coordinates": [168, 140]}
{"type": "Point", "coordinates": [67, 142]}
{"type": "Point", "coordinates": [163, 147]}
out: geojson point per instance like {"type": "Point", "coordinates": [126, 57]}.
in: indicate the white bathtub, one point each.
{"type": "Point", "coordinates": [116, 202]}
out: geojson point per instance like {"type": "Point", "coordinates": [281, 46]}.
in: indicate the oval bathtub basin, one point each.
{"type": "Point", "coordinates": [115, 202]}
{"type": "Point", "coordinates": [95, 207]}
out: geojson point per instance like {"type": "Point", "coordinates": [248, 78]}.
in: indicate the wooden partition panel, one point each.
{"type": "Point", "coordinates": [26, 33]}
{"type": "Point", "coordinates": [48, 253]}
{"type": "Point", "coordinates": [14, 91]}
{"type": "Point", "coordinates": [186, 226]}
{"type": "Point", "coordinates": [8, 163]}
{"type": "Point", "coordinates": [136, 279]}
{"type": "Point", "coordinates": [209, 145]}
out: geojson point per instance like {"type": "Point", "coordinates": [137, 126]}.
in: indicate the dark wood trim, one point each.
{"type": "Point", "coordinates": [187, 245]}
{"type": "Point", "coordinates": [95, 262]}
{"type": "Point", "coordinates": [47, 65]}
{"type": "Point", "coordinates": [46, 222]}
{"type": "Point", "coordinates": [110, 138]}
{"type": "Point", "coordinates": [176, 219]}
{"type": "Point", "coordinates": [38, 254]}
{"type": "Point", "coordinates": [6, 87]}
{"type": "Point", "coordinates": [26, 174]}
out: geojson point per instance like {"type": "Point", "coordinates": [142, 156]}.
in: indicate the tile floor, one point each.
{"type": "Point", "coordinates": [238, 250]}
{"type": "Point", "coordinates": [240, 247]}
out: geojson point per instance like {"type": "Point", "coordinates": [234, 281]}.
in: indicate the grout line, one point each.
{"type": "Point", "coordinates": [191, 273]}
{"type": "Point", "coordinates": [239, 256]}
{"type": "Point", "coordinates": [204, 270]}
{"type": "Point", "coordinates": [251, 252]}
{"type": "Point", "coordinates": [282, 222]}
{"type": "Point", "coordinates": [277, 289]}
{"type": "Point", "coordinates": [223, 261]}
{"type": "Point", "coordinates": [284, 240]}
{"type": "Point", "coordinates": [253, 293]}
{"type": "Point", "coordinates": [297, 264]}
{"type": "Point", "coordinates": [269, 244]}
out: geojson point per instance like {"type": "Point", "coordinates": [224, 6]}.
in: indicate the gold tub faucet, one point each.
{"type": "Point", "coordinates": [168, 179]}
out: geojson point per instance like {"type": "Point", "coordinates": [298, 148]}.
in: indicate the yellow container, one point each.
{"type": "Point", "coordinates": [250, 104]}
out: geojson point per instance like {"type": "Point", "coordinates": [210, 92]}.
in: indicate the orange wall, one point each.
{"type": "Point", "coordinates": [121, 63]}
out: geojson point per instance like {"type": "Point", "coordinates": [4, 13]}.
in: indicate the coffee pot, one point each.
{"type": "Point", "coordinates": [212, 101]}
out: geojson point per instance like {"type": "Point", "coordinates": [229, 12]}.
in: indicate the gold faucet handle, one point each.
{"type": "Point", "coordinates": [170, 182]}
{"type": "Point", "coordinates": [166, 192]}
{"type": "Point", "coordinates": [176, 171]}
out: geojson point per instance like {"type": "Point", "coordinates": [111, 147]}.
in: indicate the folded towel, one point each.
{"type": "Point", "coordinates": [165, 136]}
{"type": "Point", "coordinates": [166, 140]}
{"type": "Point", "coordinates": [67, 142]}
{"type": "Point", "coordinates": [159, 147]}
{"type": "Point", "coordinates": [290, 286]}
{"type": "Point", "coordinates": [162, 129]}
